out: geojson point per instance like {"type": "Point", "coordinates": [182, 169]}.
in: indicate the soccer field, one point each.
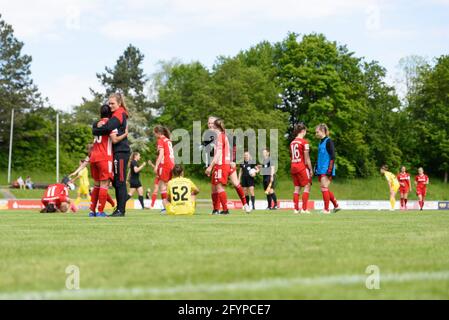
{"type": "Point", "coordinates": [262, 255]}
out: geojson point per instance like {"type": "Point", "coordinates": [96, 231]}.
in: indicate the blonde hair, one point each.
{"type": "Point", "coordinates": [120, 98]}
{"type": "Point", "coordinates": [323, 127]}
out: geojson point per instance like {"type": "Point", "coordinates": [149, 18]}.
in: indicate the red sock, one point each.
{"type": "Point", "coordinates": [109, 199]}
{"type": "Point", "coordinates": [223, 200]}
{"type": "Point", "coordinates": [402, 202]}
{"type": "Point", "coordinates": [215, 201]}
{"type": "Point", "coordinates": [405, 202]}
{"type": "Point", "coordinates": [332, 199]}
{"type": "Point", "coordinates": [102, 197]}
{"type": "Point", "coordinates": [296, 200]}
{"type": "Point", "coordinates": [94, 199]}
{"type": "Point", "coordinates": [241, 194]}
{"type": "Point", "coordinates": [421, 204]}
{"type": "Point", "coordinates": [326, 198]}
{"type": "Point", "coordinates": [163, 195]}
{"type": "Point", "coordinates": [305, 200]}
{"type": "Point", "coordinates": [153, 199]}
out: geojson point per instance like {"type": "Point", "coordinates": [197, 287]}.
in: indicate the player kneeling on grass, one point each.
{"type": "Point", "coordinates": [181, 194]}
{"type": "Point", "coordinates": [393, 183]}
{"type": "Point", "coordinates": [56, 198]}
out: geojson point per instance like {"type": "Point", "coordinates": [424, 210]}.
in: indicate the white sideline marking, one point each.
{"type": "Point", "coordinates": [218, 287]}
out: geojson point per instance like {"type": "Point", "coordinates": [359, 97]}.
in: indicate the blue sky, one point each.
{"type": "Point", "coordinates": [71, 40]}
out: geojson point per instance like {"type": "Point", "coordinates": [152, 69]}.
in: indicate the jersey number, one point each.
{"type": "Point", "coordinates": [295, 152]}
{"type": "Point", "coordinates": [97, 139]}
{"type": "Point", "coordinates": [177, 196]}
{"type": "Point", "coordinates": [51, 191]}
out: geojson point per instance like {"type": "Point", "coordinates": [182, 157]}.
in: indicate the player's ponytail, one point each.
{"type": "Point", "coordinates": [219, 124]}
{"type": "Point", "coordinates": [162, 130]}
{"type": "Point", "coordinates": [297, 128]}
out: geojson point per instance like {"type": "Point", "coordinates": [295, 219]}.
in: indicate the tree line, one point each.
{"type": "Point", "coordinates": [305, 78]}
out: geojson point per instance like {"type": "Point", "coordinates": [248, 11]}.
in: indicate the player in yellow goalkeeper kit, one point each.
{"type": "Point", "coordinates": [83, 189]}
{"type": "Point", "coordinates": [393, 183]}
{"type": "Point", "coordinates": [181, 194]}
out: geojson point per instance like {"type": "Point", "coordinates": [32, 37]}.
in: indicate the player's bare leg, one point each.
{"type": "Point", "coordinates": [392, 199]}
{"type": "Point", "coordinates": [163, 188]}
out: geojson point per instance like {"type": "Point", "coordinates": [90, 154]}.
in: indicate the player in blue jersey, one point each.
{"type": "Point", "coordinates": [325, 167]}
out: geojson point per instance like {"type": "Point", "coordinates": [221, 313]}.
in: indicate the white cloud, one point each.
{"type": "Point", "coordinates": [35, 19]}
{"type": "Point", "coordinates": [131, 29]}
{"type": "Point", "coordinates": [67, 91]}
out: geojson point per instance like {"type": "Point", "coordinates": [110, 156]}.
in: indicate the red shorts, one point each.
{"type": "Point", "coordinates": [164, 173]}
{"type": "Point", "coordinates": [421, 191]}
{"type": "Point", "coordinates": [403, 189]}
{"type": "Point", "coordinates": [301, 179]}
{"type": "Point", "coordinates": [220, 174]}
{"type": "Point", "coordinates": [323, 175]}
{"type": "Point", "coordinates": [101, 170]}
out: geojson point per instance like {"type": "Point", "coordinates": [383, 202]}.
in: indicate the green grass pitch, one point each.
{"type": "Point", "coordinates": [262, 255]}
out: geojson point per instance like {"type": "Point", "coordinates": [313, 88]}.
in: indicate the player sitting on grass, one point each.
{"type": "Point", "coordinates": [393, 183]}
{"type": "Point", "coordinates": [56, 198]}
{"type": "Point", "coordinates": [181, 194]}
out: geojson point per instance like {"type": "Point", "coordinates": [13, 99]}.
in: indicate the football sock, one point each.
{"type": "Point", "coordinates": [296, 200]}
{"type": "Point", "coordinates": [275, 199]}
{"type": "Point", "coordinates": [269, 200]}
{"type": "Point", "coordinates": [332, 199]}
{"type": "Point", "coordinates": [94, 199]}
{"type": "Point", "coordinates": [141, 201]}
{"type": "Point", "coordinates": [102, 196]}
{"type": "Point", "coordinates": [109, 199]}
{"type": "Point", "coordinates": [241, 194]}
{"type": "Point", "coordinates": [153, 199]}
{"type": "Point", "coordinates": [253, 201]}
{"type": "Point", "coordinates": [405, 202]}
{"type": "Point", "coordinates": [247, 199]}
{"type": "Point", "coordinates": [402, 202]}
{"type": "Point", "coordinates": [128, 196]}
{"type": "Point", "coordinates": [392, 202]}
{"type": "Point", "coordinates": [326, 198]}
{"type": "Point", "coordinates": [305, 200]}
{"type": "Point", "coordinates": [223, 200]}
{"type": "Point", "coordinates": [215, 201]}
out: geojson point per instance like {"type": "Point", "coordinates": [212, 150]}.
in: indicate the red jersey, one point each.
{"type": "Point", "coordinates": [55, 192]}
{"type": "Point", "coordinates": [223, 149]}
{"type": "Point", "coordinates": [102, 147]}
{"type": "Point", "coordinates": [422, 181]}
{"type": "Point", "coordinates": [168, 159]}
{"type": "Point", "coordinates": [404, 179]}
{"type": "Point", "coordinates": [297, 149]}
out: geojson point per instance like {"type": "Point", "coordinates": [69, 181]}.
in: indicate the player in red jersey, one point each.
{"type": "Point", "coordinates": [56, 198]}
{"type": "Point", "coordinates": [301, 167]}
{"type": "Point", "coordinates": [219, 169]}
{"type": "Point", "coordinates": [404, 186]}
{"type": "Point", "coordinates": [100, 158]}
{"type": "Point", "coordinates": [165, 160]}
{"type": "Point", "coordinates": [421, 182]}
{"type": "Point", "coordinates": [233, 176]}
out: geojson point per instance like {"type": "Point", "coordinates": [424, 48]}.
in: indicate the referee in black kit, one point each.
{"type": "Point", "coordinates": [269, 180]}
{"type": "Point", "coordinates": [121, 150]}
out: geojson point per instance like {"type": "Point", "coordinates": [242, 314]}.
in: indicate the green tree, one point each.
{"type": "Point", "coordinates": [323, 82]}
{"type": "Point", "coordinates": [17, 89]}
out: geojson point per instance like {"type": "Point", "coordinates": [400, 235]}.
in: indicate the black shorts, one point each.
{"type": "Point", "coordinates": [266, 182]}
{"type": "Point", "coordinates": [247, 182]}
{"type": "Point", "coordinates": [135, 184]}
